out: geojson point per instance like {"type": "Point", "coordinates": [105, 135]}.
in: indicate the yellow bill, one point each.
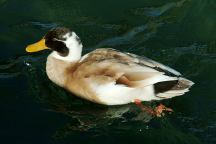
{"type": "Point", "coordinates": [38, 46]}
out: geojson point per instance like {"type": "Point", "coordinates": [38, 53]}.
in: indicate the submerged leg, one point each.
{"type": "Point", "coordinates": [157, 111]}
{"type": "Point", "coordinates": [143, 107]}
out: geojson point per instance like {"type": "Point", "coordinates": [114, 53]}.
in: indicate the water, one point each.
{"type": "Point", "coordinates": [179, 33]}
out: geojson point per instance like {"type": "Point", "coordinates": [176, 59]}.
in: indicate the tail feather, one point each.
{"type": "Point", "coordinates": [171, 89]}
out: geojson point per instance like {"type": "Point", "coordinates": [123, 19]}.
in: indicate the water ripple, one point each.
{"type": "Point", "coordinates": [157, 11]}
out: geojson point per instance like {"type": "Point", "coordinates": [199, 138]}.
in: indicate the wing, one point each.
{"type": "Point", "coordinates": [155, 65]}
{"type": "Point", "coordinates": [109, 65]}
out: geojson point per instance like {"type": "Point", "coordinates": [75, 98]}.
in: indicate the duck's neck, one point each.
{"type": "Point", "coordinates": [57, 67]}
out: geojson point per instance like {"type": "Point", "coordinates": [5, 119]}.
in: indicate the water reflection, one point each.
{"type": "Point", "coordinates": [136, 36]}
{"type": "Point", "coordinates": [133, 37]}
{"type": "Point", "coordinates": [157, 11]}
{"type": "Point", "coordinates": [44, 26]}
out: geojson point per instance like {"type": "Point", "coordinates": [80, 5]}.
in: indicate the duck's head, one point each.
{"type": "Point", "coordinates": [66, 45]}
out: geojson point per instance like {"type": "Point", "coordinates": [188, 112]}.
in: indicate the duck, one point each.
{"type": "Point", "coordinates": [106, 76]}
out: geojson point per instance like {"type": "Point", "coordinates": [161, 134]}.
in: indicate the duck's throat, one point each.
{"type": "Point", "coordinates": [56, 70]}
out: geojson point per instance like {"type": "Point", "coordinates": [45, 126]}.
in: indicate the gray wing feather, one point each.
{"type": "Point", "coordinates": [156, 65]}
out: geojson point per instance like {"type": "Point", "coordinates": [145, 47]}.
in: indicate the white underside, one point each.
{"type": "Point", "coordinates": [112, 94]}
{"type": "Point", "coordinates": [118, 94]}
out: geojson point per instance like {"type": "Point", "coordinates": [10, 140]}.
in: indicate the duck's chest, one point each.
{"type": "Point", "coordinates": [56, 70]}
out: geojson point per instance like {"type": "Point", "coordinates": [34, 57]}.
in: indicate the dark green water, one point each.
{"type": "Point", "coordinates": [179, 33]}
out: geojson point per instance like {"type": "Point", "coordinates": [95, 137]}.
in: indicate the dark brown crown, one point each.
{"type": "Point", "coordinates": [54, 40]}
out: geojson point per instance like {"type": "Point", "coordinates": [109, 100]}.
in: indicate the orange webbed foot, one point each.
{"type": "Point", "coordinates": [159, 110]}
